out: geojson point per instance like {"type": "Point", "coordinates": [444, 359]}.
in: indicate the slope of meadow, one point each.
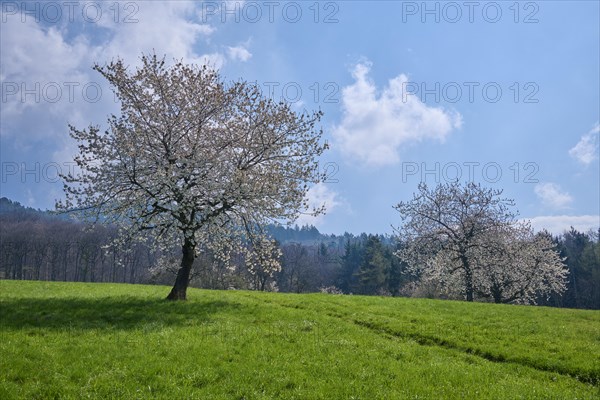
{"type": "Point", "coordinates": [78, 340]}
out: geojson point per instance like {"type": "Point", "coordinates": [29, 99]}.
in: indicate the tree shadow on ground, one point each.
{"type": "Point", "coordinates": [120, 313]}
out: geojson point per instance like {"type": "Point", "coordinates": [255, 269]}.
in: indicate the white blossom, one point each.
{"type": "Point", "coordinates": [466, 239]}
{"type": "Point", "coordinates": [193, 161]}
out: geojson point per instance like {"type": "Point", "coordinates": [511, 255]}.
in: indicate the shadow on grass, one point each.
{"type": "Point", "coordinates": [119, 313]}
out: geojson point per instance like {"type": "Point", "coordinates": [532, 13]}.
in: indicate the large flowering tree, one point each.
{"type": "Point", "coordinates": [195, 161]}
{"type": "Point", "coordinates": [466, 239]}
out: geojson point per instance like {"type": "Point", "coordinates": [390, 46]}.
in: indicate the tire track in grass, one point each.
{"type": "Point", "coordinates": [590, 377]}
{"type": "Point", "coordinates": [423, 340]}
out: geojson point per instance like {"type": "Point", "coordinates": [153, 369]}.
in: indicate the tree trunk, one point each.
{"type": "Point", "coordinates": [469, 290]}
{"type": "Point", "coordinates": [183, 275]}
{"type": "Point", "coordinates": [468, 278]}
{"type": "Point", "coordinates": [497, 293]}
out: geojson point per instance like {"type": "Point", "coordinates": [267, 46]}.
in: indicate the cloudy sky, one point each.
{"type": "Point", "coordinates": [501, 93]}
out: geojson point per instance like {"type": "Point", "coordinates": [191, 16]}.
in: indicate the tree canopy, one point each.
{"type": "Point", "coordinates": [194, 160]}
{"type": "Point", "coordinates": [467, 239]}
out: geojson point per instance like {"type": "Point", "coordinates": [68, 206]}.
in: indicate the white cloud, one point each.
{"type": "Point", "coordinates": [38, 56]}
{"type": "Point", "coordinates": [239, 53]}
{"type": "Point", "coordinates": [586, 150]}
{"type": "Point", "coordinates": [552, 195]}
{"type": "Point", "coordinates": [47, 81]}
{"type": "Point", "coordinates": [166, 27]}
{"type": "Point", "coordinates": [374, 125]}
{"type": "Point", "coordinates": [42, 58]}
{"type": "Point", "coordinates": [557, 224]}
{"type": "Point", "coordinates": [317, 196]}
{"type": "Point", "coordinates": [48, 75]}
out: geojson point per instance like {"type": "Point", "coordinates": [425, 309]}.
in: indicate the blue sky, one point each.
{"type": "Point", "coordinates": [502, 93]}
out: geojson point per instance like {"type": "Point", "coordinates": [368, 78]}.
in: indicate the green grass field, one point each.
{"type": "Point", "coordinates": [108, 341]}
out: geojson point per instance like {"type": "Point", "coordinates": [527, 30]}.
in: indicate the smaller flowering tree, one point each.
{"type": "Point", "coordinates": [466, 239]}
{"type": "Point", "coordinates": [263, 260]}
{"type": "Point", "coordinates": [524, 267]}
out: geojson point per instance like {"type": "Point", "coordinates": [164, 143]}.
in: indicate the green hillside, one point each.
{"type": "Point", "coordinates": [77, 340]}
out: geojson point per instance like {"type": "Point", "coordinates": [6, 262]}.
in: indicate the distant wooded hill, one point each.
{"type": "Point", "coordinates": [42, 245]}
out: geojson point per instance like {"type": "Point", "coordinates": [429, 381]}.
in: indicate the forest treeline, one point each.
{"type": "Point", "coordinates": [43, 246]}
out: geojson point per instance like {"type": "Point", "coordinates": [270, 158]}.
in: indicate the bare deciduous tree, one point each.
{"type": "Point", "coordinates": [193, 160]}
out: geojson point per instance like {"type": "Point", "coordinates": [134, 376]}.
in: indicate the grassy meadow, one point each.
{"type": "Point", "coordinates": [63, 340]}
